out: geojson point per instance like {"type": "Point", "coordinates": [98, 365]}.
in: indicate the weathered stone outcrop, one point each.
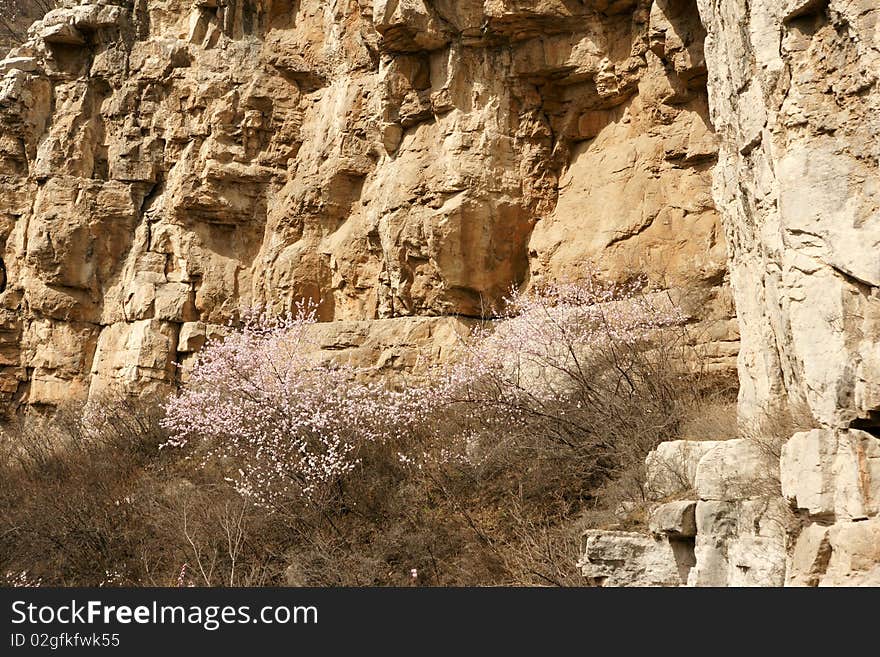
{"type": "Point", "coordinates": [729, 527]}
{"type": "Point", "coordinates": [165, 164]}
{"type": "Point", "coordinates": [844, 554]}
{"type": "Point", "coordinates": [741, 517]}
{"type": "Point", "coordinates": [833, 479]}
{"type": "Point", "coordinates": [833, 475]}
{"type": "Point", "coordinates": [613, 558]}
{"type": "Point", "coordinates": [795, 101]}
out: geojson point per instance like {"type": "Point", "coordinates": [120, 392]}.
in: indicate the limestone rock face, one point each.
{"type": "Point", "coordinates": [166, 164]}
{"type": "Point", "coordinates": [731, 528]}
{"type": "Point", "coordinates": [631, 559]}
{"type": "Point", "coordinates": [731, 470]}
{"type": "Point", "coordinates": [671, 469]}
{"type": "Point", "coordinates": [674, 519]}
{"type": "Point", "coordinates": [844, 554]}
{"type": "Point", "coordinates": [794, 99]}
{"type": "Point", "coordinates": [740, 542]}
{"type": "Point", "coordinates": [832, 475]}
{"type": "Point", "coordinates": [795, 103]}
{"type": "Point", "coordinates": [833, 479]}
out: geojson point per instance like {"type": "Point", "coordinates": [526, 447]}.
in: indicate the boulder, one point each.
{"type": "Point", "coordinates": [389, 160]}
{"type": "Point", "coordinates": [193, 336]}
{"type": "Point", "coordinates": [670, 469]}
{"type": "Point", "coordinates": [674, 519]}
{"type": "Point", "coordinates": [616, 558]}
{"type": "Point", "coordinates": [25, 64]}
{"type": "Point", "coordinates": [810, 557]}
{"type": "Point", "coordinates": [740, 543]}
{"type": "Point", "coordinates": [855, 554]}
{"type": "Point", "coordinates": [756, 561]}
{"type": "Point", "coordinates": [832, 474]}
{"type": "Point", "coordinates": [63, 34]}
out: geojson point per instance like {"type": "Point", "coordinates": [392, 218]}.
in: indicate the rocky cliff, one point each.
{"type": "Point", "coordinates": [794, 98]}
{"type": "Point", "coordinates": [405, 162]}
{"type": "Point", "coordinates": [166, 163]}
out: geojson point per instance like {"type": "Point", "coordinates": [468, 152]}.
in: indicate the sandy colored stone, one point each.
{"type": "Point", "coordinates": [733, 470]}
{"type": "Point", "coordinates": [843, 554]}
{"type": "Point", "coordinates": [740, 543]}
{"type": "Point", "coordinates": [855, 554]}
{"type": "Point", "coordinates": [389, 160]}
{"type": "Point", "coordinates": [192, 337]}
{"type": "Point", "coordinates": [810, 557]}
{"type": "Point", "coordinates": [62, 34]}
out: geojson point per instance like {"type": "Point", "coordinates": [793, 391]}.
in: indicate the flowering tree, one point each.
{"type": "Point", "coordinates": [585, 376]}
{"type": "Point", "coordinates": [260, 400]}
{"type": "Point", "coordinates": [567, 375]}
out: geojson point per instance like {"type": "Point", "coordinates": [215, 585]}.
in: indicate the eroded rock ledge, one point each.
{"type": "Point", "coordinates": [719, 516]}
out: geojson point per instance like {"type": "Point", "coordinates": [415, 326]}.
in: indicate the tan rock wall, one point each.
{"type": "Point", "coordinates": [165, 164]}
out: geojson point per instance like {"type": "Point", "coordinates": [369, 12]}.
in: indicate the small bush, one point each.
{"type": "Point", "coordinates": [88, 499]}
{"type": "Point", "coordinates": [16, 16]}
{"type": "Point", "coordinates": [581, 379]}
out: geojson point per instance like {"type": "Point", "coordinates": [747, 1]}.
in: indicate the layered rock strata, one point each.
{"type": "Point", "coordinates": [795, 102]}
{"type": "Point", "coordinates": [716, 519]}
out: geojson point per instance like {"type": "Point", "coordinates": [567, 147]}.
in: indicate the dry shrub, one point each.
{"type": "Point", "coordinates": [558, 407]}
{"type": "Point", "coordinates": [769, 432]}
{"type": "Point", "coordinates": [89, 499]}
{"type": "Point", "coordinates": [772, 429]}
{"type": "Point", "coordinates": [16, 16]}
{"type": "Point", "coordinates": [66, 494]}
{"type": "Point", "coordinates": [484, 475]}
{"type": "Point", "coordinates": [714, 416]}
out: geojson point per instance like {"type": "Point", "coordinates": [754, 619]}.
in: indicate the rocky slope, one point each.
{"type": "Point", "coordinates": [166, 163]}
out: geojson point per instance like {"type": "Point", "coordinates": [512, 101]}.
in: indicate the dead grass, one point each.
{"type": "Point", "coordinates": [108, 507]}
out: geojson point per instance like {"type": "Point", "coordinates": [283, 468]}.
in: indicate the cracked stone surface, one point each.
{"type": "Point", "coordinates": [165, 164]}
{"type": "Point", "coordinates": [795, 101]}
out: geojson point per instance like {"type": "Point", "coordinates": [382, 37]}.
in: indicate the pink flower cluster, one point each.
{"type": "Point", "coordinates": [260, 399]}
{"type": "Point", "coordinates": [550, 354]}
{"type": "Point", "coordinates": [292, 424]}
